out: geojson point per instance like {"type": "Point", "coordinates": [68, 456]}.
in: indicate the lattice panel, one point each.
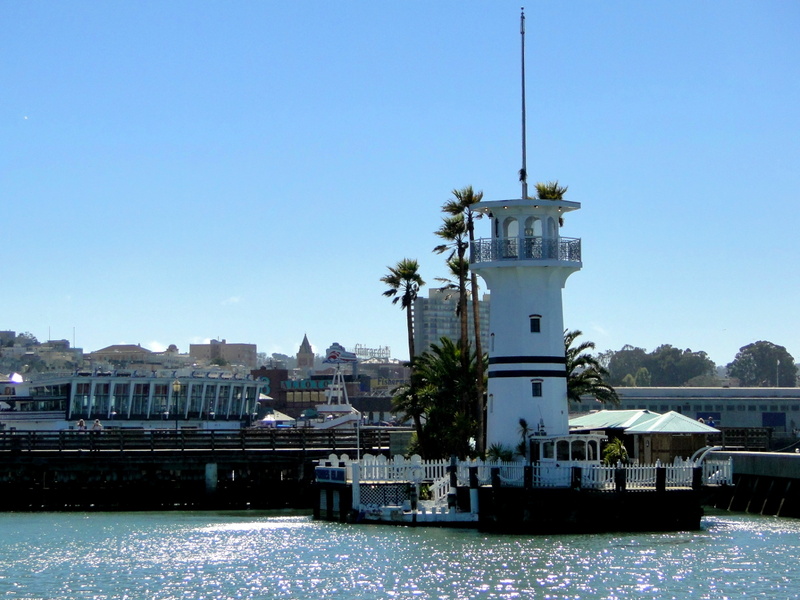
{"type": "Point", "coordinates": [391, 494]}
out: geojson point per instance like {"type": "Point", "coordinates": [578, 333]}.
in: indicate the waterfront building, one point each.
{"type": "Point", "coordinates": [122, 355]}
{"type": "Point", "coordinates": [775, 408]}
{"type": "Point", "coordinates": [435, 317]}
{"type": "Point", "coordinates": [233, 354]}
{"type": "Point", "coordinates": [130, 399]}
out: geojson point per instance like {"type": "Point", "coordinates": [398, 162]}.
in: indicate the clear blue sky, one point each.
{"type": "Point", "coordinates": [172, 172]}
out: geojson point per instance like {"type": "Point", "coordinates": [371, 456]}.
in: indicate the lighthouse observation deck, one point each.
{"type": "Point", "coordinates": [526, 248]}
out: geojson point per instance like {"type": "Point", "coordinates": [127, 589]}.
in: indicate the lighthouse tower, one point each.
{"type": "Point", "coordinates": [525, 264]}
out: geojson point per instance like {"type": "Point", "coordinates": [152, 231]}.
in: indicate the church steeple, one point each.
{"type": "Point", "coordinates": [305, 355]}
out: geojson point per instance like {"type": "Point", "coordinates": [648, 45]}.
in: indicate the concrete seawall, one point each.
{"type": "Point", "coordinates": [766, 483]}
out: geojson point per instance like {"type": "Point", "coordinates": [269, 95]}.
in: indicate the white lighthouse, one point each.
{"type": "Point", "coordinates": [525, 264]}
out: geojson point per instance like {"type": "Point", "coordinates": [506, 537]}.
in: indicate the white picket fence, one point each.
{"type": "Point", "coordinates": [379, 469]}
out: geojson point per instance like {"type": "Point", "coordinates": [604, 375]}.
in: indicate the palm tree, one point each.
{"type": "Point", "coordinates": [461, 203]}
{"type": "Point", "coordinates": [407, 401]}
{"type": "Point", "coordinates": [550, 190]}
{"type": "Point", "coordinates": [454, 231]}
{"type": "Point", "coordinates": [404, 282]}
{"type": "Point", "coordinates": [447, 397]}
{"type": "Point", "coordinates": [615, 452]}
{"type": "Point", "coordinates": [585, 374]}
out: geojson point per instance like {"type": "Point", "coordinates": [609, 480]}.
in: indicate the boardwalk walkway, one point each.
{"type": "Point", "coordinates": [119, 469]}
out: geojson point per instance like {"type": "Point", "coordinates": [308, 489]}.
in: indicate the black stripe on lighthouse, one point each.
{"type": "Point", "coordinates": [532, 360]}
{"type": "Point", "coordinates": [528, 373]}
{"type": "Point", "coordinates": [522, 361]}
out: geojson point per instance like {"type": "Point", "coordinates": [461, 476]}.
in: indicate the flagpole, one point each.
{"type": "Point", "coordinates": [523, 174]}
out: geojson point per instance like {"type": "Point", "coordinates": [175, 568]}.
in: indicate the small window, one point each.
{"type": "Point", "coordinates": [751, 408]}
{"type": "Point", "coordinates": [562, 450]}
{"type": "Point", "coordinates": [536, 323]}
{"type": "Point", "coordinates": [536, 387]}
{"type": "Point", "coordinates": [492, 342]}
{"type": "Point", "coordinates": [740, 407]}
{"type": "Point", "coordinates": [547, 450]}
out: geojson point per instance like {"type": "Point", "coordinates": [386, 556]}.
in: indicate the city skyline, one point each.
{"type": "Point", "coordinates": [179, 173]}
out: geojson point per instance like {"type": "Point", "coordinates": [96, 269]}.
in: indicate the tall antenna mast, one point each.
{"type": "Point", "coordinates": [523, 172]}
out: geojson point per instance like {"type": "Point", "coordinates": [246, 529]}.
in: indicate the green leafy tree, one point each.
{"type": "Point", "coordinates": [26, 339]}
{"type": "Point", "coordinates": [625, 361]}
{"type": "Point", "coordinates": [585, 375]}
{"type": "Point", "coordinates": [764, 364]}
{"type": "Point", "coordinates": [643, 378]}
{"type": "Point", "coordinates": [668, 366]}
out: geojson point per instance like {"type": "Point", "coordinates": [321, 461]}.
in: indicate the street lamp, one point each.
{"type": "Point", "coordinates": [176, 391]}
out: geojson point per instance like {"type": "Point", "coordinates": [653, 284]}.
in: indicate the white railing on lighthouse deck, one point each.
{"type": "Point", "coordinates": [593, 475]}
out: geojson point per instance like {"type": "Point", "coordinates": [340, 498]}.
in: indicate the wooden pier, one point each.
{"type": "Point", "coordinates": [165, 469]}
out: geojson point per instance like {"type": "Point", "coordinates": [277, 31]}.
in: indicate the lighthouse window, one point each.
{"type": "Point", "coordinates": [547, 450]}
{"type": "Point", "coordinates": [536, 323]}
{"type": "Point", "coordinates": [536, 387]}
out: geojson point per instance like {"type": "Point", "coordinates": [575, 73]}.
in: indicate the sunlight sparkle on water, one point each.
{"type": "Point", "coordinates": [165, 556]}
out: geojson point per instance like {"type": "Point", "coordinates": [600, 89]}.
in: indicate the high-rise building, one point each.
{"type": "Point", "coordinates": [435, 317]}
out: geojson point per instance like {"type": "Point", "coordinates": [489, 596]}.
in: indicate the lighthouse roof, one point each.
{"type": "Point", "coordinates": [520, 205]}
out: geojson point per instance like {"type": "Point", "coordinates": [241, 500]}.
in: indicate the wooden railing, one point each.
{"type": "Point", "coordinates": [756, 439]}
{"type": "Point", "coordinates": [139, 440]}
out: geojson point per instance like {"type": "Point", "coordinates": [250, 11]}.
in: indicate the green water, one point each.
{"type": "Point", "coordinates": [259, 555]}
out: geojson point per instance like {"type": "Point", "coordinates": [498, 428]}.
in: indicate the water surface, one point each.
{"type": "Point", "coordinates": [204, 555]}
